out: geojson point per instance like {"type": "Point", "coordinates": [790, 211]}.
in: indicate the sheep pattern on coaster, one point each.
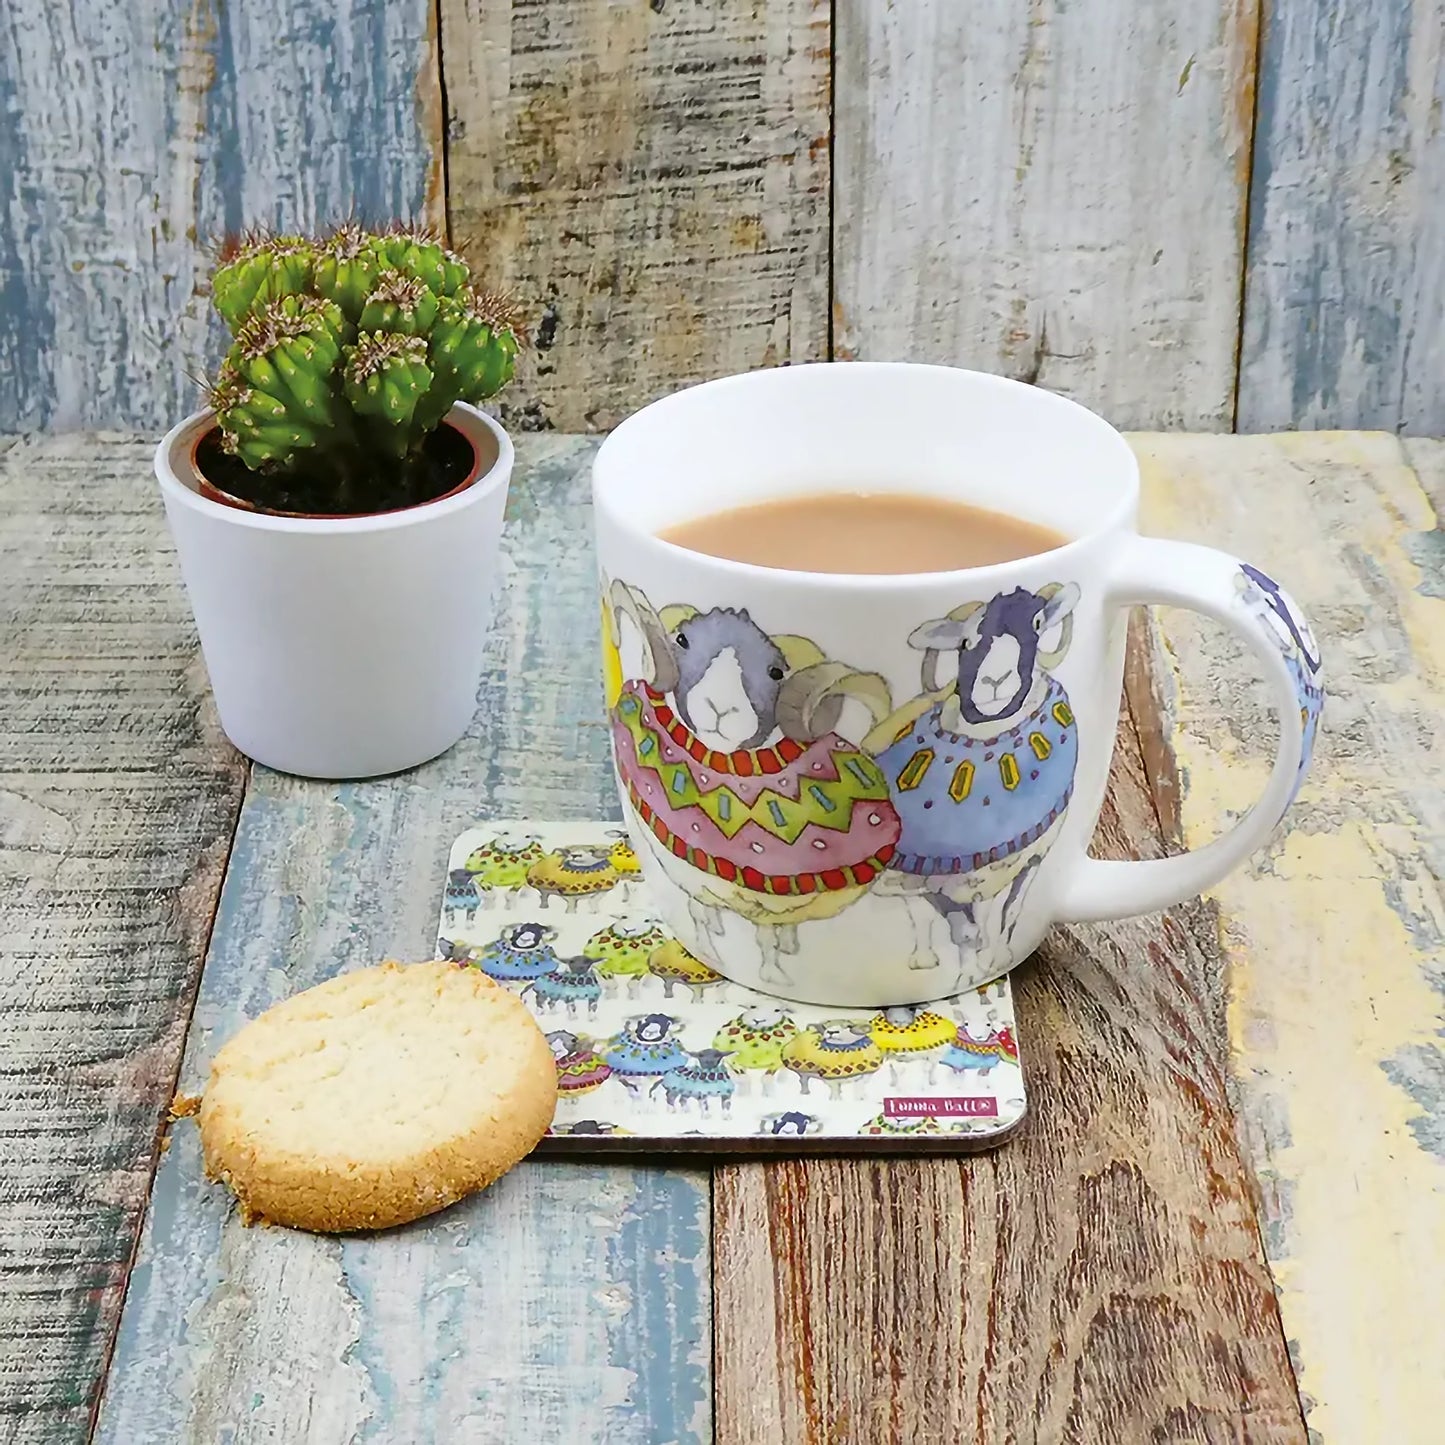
{"type": "Point", "coordinates": [653, 1048]}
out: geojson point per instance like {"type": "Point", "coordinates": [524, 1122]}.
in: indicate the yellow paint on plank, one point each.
{"type": "Point", "coordinates": [1330, 932]}
{"type": "Point", "coordinates": [1311, 1018]}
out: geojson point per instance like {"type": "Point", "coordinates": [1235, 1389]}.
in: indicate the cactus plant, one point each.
{"type": "Point", "coordinates": [348, 351]}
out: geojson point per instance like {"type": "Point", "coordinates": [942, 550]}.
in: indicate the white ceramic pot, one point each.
{"type": "Point", "coordinates": [342, 647]}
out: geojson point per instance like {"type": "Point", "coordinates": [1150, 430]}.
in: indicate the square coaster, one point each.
{"type": "Point", "coordinates": [656, 1053]}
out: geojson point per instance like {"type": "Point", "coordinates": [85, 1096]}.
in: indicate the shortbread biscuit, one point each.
{"type": "Point", "coordinates": [377, 1097]}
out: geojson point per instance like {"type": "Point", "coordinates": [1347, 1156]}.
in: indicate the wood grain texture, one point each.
{"type": "Point", "coordinates": [569, 1302]}
{"type": "Point", "coordinates": [1053, 191]}
{"type": "Point", "coordinates": [1099, 1278]}
{"type": "Point", "coordinates": [652, 179]}
{"type": "Point", "coordinates": [117, 800]}
{"type": "Point", "coordinates": [134, 135]}
{"type": "Point", "coordinates": [1335, 934]}
{"type": "Point", "coordinates": [1344, 317]}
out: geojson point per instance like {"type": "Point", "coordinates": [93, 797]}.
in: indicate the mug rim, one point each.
{"type": "Point", "coordinates": [1120, 514]}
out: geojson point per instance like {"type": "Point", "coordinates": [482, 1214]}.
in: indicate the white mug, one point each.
{"type": "Point", "coordinates": [873, 790]}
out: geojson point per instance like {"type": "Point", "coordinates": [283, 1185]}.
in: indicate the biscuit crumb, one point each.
{"type": "Point", "coordinates": [185, 1106]}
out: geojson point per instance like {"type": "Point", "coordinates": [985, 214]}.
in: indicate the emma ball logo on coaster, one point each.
{"type": "Point", "coordinates": [975, 1106]}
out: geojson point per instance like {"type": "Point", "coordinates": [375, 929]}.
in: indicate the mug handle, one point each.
{"type": "Point", "coordinates": [1151, 570]}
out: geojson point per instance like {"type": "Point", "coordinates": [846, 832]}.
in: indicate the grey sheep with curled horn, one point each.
{"type": "Point", "coordinates": [734, 686]}
{"type": "Point", "coordinates": [737, 691]}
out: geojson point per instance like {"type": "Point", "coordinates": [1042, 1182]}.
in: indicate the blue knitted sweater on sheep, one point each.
{"type": "Point", "coordinates": [966, 802]}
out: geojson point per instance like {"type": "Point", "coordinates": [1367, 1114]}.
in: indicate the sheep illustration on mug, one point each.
{"type": "Point", "coordinates": [746, 793]}
{"type": "Point", "coordinates": [981, 768]}
{"type": "Point", "coordinates": [1291, 631]}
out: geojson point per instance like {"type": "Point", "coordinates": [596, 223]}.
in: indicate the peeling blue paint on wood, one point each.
{"type": "Point", "coordinates": [27, 330]}
{"type": "Point", "coordinates": [489, 1324]}
{"type": "Point", "coordinates": [663, 1233]}
{"type": "Point", "coordinates": [133, 135]}
{"type": "Point", "coordinates": [1344, 319]}
{"type": "Point", "coordinates": [1420, 1071]}
{"type": "Point", "coordinates": [1427, 551]}
{"type": "Point", "coordinates": [1419, 1068]}
{"type": "Point", "coordinates": [567, 1303]}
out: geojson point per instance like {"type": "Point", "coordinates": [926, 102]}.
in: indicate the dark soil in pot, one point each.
{"type": "Point", "coordinates": [360, 485]}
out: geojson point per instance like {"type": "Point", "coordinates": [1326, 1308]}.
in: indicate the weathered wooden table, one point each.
{"type": "Point", "coordinates": [1224, 1221]}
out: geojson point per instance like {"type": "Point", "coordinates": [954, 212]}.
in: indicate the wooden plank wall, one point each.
{"type": "Point", "coordinates": [1345, 305]}
{"type": "Point", "coordinates": [1085, 194]}
{"type": "Point", "coordinates": [133, 135]}
{"type": "Point", "coordinates": [1012, 195]}
{"type": "Point", "coordinates": [652, 179]}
